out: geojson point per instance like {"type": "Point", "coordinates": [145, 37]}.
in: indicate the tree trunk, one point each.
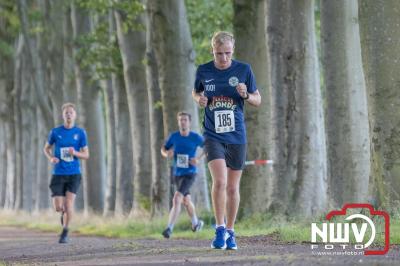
{"type": "Point", "coordinates": [175, 56]}
{"type": "Point", "coordinates": [43, 173]}
{"type": "Point", "coordinates": [10, 193]}
{"type": "Point", "coordinates": [380, 43]}
{"type": "Point", "coordinates": [36, 59]}
{"type": "Point", "coordinates": [124, 170]}
{"type": "Point", "coordinates": [160, 169]}
{"type": "Point", "coordinates": [3, 156]}
{"type": "Point", "coordinates": [6, 110]}
{"type": "Point", "coordinates": [298, 122]}
{"type": "Point", "coordinates": [347, 113]}
{"type": "Point", "coordinates": [132, 46]}
{"type": "Point", "coordinates": [108, 89]}
{"type": "Point", "coordinates": [17, 120]}
{"type": "Point", "coordinates": [109, 206]}
{"type": "Point", "coordinates": [27, 134]}
{"type": "Point", "coordinates": [251, 46]}
{"type": "Point", "coordinates": [68, 87]}
{"type": "Point", "coordinates": [90, 117]}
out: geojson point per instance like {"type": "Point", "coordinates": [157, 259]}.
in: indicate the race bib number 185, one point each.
{"type": "Point", "coordinates": [224, 121]}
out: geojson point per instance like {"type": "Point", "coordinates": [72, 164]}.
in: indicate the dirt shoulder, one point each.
{"type": "Point", "coordinates": [27, 247]}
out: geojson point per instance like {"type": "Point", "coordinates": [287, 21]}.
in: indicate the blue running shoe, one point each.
{"type": "Point", "coordinates": [219, 241]}
{"type": "Point", "coordinates": [230, 241]}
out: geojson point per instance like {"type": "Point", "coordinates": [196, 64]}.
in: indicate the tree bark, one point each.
{"type": "Point", "coordinates": [380, 43]}
{"type": "Point", "coordinates": [28, 136]}
{"type": "Point", "coordinates": [175, 56]}
{"type": "Point", "coordinates": [43, 173]}
{"type": "Point", "coordinates": [6, 110]}
{"type": "Point", "coordinates": [3, 158]}
{"type": "Point", "coordinates": [347, 111]}
{"type": "Point", "coordinates": [298, 122]}
{"type": "Point", "coordinates": [17, 129]}
{"type": "Point", "coordinates": [251, 46]}
{"type": "Point", "coordinates": [90, 117]}
{"type": "Point", "coordinates": [132, 46]}
{"type": "Point", "coordinates": [159, 170]}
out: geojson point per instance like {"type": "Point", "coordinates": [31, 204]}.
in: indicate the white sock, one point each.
{"type": "Point", "coordinates": [171, 227]}
{"type": "Point", "coordinates": [230, 229]}
{"type": "Point", "coordinates": [219, 225]}
{"type": "Point", "coordinates": [194, 220]}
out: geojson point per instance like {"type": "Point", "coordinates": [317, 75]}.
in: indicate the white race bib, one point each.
{"type": "Point", "coordinates": [65, 155]}
{"type": "Point", "coordinates": [224, 121]}
{"type": "Point", "coordinates": [182, 160]}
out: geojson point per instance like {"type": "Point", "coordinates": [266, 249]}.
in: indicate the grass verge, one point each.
{"type": "Point", "coordinates": [140, 226]}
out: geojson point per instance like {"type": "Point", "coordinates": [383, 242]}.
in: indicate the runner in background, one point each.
{"type": "Point", "coordinates": [70, 145]}
{"type": "Point", "coordinates": [182, 146]}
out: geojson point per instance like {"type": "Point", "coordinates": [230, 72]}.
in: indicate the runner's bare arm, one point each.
{"type": "Point", "coordinates": [195, 160]}
{"type": "Point", "coordinates": [252, 98]}
{"type": "Point", "coordinates": [82, 154]}
{"type": "Point", "coordinates": [199, 98]}
{"type": "Point", "coordinates": [49, 154]}
{"type": "Point", "coordinates": [166, 153]}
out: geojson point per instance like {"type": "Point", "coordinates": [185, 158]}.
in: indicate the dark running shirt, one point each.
{"type": "Point", "coordinates": [224, 116]}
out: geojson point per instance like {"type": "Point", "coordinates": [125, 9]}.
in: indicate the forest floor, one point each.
{"type": "Point", "coordinates": [19, 246]}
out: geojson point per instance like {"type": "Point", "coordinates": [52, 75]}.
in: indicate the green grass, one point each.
{"type": "Point", "coordinates": [142, 226]}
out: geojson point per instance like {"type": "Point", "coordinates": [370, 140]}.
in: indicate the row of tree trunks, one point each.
{"type": "Point", "coordinates": [133, 46]}
{"type": "Point", "coordinates": [174, 54]}
{"type": "Point", "coordinates": [90, 117]}
{"type": "Point", "coordinates": [380, 31]}
{"type": "Point", "coordinates": [346, 112]}
{"type": "Point", "coordinates": [300, 177]}
{"type": "Point", "coordinates": [159, 170]}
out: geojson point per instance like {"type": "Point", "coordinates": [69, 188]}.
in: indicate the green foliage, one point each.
{"type": "Point", "coordinates": [206, 17]}
{"type": "Point", "coordinates": [9, 26]}
{"type": "Point", "coordinates": [142, 226]}
{"type": "Point", "coordinates": [130, 8]}
{"type": "Point", "coordinates": [99, 48]}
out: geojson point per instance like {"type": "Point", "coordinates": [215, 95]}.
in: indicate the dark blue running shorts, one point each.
{"type": "Point", "coordinates": [233, 154]}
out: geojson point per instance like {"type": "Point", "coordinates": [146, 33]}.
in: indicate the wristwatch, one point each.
{"type": "Point", "coordinates": [247, 96]}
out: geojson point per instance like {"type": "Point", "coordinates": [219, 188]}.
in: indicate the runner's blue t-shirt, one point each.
{"type": "Point", "coordinates": [224, 116]}
{"type": "Point", "coordinates": [63, 138]}
{"type": "Point", "coordinates": [184, 149]}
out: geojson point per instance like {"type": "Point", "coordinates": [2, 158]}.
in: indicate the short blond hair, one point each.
{"type": "Point", "coordinates": [222, 37]}
{"type": "Point", "coordinates": [183, 113]}
{"type": "Point", "coordinates": [66, 105]}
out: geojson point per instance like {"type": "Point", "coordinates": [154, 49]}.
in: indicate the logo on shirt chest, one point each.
{"type": "Point", "coordinates": [76, 136]}
{"type": "Point", "coordinates": [233, 81]}
{"type": "Point", "coordinates": [210, 87]}
{"type": "Point", "coordinates": [222, 102]}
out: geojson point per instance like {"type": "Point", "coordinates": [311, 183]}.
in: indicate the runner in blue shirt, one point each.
{"type": "Point", "coordinates": [70, 145]}
{"type": "Point", "coordinates": [182, 146]}
{"type": "Point", "coordinates": [222, 86]}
